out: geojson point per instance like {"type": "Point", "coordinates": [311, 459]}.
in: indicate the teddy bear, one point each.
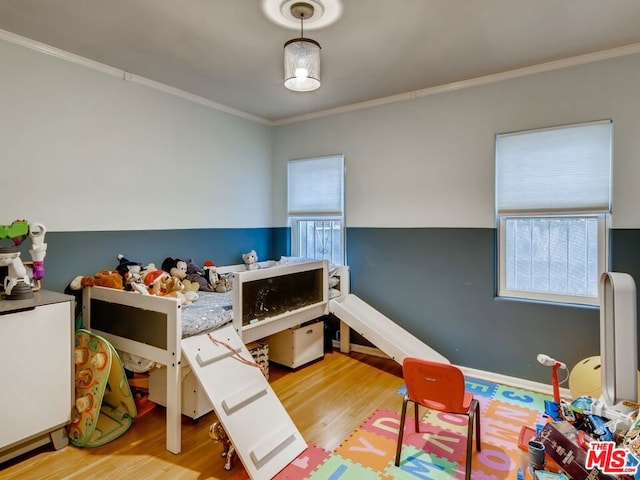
{"type": "Point", "coordinates": [171, 286]}
{"type": "Point", "coordinates": [103, 278]}
{"type": "Point", "coordinates": [250, 260]}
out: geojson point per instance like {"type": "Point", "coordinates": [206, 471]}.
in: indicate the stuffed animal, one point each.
{"type": "Point", "coordinates": [175, 267]}
{"type": "Point", "coordinates": [218, 434]}
{"type": "Point", "coordinates": [190, 290]}
{"type": "Point", "coordinates": [219, 283]}
{"type": "Point", "coordinates": [171, 286]}
{"type": "Point", "coordinates": [131, 273]}
{"type": "Point", "coordinates": [153, 279]}
{"type": "Point", "coordinates": [197, 275]}
{"type": "Point", "coordinates": [250, 260]}
{"type": "Point", "coordinates": [104, 278]}
{"type": "Point", "coordinates": [210, 272]}
{"type": "Point", "coordinates": [224, 283]}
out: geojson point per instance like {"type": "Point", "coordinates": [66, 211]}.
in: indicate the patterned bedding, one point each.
{"type": "Point", "coordinates": [212, 310]}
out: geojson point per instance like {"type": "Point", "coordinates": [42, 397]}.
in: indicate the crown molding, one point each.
{"type": "Point", "coordinates": [473, 82]}
{"type": "Point", "coordinates": [124, 75]}
{"type": "Point", "coordinates": [449, 87]}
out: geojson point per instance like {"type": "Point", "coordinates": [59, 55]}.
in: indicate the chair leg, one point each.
{"type": "Point", "coordinates": [468, 460]}
{"type": "Point", "coordinates": [416, 417]}
{"type": "Point", "coordinates": [474, 421]}
{"type": "Point", "coordinates": [403, 417]}
{"type": "Point", "coordinates": [478, 435]}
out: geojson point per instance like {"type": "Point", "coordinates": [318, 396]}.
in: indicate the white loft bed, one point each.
{"type": "Point", "coordinates": [151, 327]}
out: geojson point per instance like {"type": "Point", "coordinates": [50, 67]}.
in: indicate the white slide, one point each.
{"type": "Point", "coordinates": [383, 332]}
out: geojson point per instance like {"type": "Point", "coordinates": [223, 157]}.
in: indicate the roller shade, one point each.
{"type": "Point", "coordinates": [315, 186]}
{"type": "Point", "coordinates": [562, 169]}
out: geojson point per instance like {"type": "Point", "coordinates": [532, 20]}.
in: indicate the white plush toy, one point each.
{"type": "Point", "coordinates": [250, 260]}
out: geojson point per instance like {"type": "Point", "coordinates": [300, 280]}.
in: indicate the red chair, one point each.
{"type": "Point", "coordinates": [438, 386]}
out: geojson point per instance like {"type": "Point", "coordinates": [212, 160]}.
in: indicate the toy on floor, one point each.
{"type": "Point", "coordinates": [585, 378]}
{"type": "Point", "coordinates": [104, 407]}
{"type": "Point", "coordinates": [139, 385]}
{"type": "Point", "coordinates": [219, 435]}
{"type": "Point", "coordinates": [555, 365]}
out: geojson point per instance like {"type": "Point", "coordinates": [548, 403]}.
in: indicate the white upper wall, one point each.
{"type": "Point", "coordinates": [429, 162]}
{"type": "Point", "coordinates": [82, 150]}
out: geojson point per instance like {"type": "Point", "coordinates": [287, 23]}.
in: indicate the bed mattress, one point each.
{"type": "Point", "coordinates": [209, 312]}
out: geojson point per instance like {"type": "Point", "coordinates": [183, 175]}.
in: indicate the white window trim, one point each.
{"type": "Point", "coordinates": [603, 265]}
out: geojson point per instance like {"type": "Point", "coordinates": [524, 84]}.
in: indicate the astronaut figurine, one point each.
{"type": "Point", "coordinates": [17, 282]}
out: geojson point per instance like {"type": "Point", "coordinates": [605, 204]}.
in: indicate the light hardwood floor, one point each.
{"type": "Point", "coordinates": [327, 400]}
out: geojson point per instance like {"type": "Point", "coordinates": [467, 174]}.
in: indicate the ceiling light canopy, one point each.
{"type": "Point", "coordinates": [302, 55]}
{"type": "Point", "coordinates": [325, 13]}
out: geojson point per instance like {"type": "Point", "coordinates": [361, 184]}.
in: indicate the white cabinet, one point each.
{"type": "Point", "coordinates": [295, 347]}
{"type": "Point", "coordinates": [36, 372]}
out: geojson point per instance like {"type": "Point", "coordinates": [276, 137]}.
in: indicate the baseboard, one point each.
{"type": "Point", "coordinates": [538, 387]}
{"type": "Point", "coordinates": [514, 382]}
{"type": "Point", "coordinates": [354, 347]}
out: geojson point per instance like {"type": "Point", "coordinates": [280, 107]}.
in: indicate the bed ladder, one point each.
{"type": "Point", "coordinates": [265, 437]}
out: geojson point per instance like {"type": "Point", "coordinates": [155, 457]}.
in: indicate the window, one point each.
{"type": "Point", "coordinates": [552, 203]}
{"type": "Point", "coordinates": [316, 208]}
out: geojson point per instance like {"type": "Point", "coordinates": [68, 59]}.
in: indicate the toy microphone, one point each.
{"type": "Point", "coordinates": [547, 361]}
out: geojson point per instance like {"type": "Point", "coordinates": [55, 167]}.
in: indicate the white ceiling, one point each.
{"type": "Point", "coordinates": [229, 52]}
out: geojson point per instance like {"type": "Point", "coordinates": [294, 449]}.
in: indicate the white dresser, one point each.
{"type": "Point", "coordinates": [36, 372]}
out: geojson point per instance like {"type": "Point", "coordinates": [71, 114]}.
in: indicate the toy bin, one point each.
{"type": "Point", "coordinates": [297, 346]}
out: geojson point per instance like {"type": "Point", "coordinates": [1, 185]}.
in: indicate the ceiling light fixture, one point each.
{"type": "Point", "coordinates": [302, 55]}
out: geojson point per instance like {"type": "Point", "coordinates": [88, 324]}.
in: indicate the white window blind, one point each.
{"type": "Point", "coordinates": [315, 186]}
{"type": "Point", "coordinates": [562, 169]}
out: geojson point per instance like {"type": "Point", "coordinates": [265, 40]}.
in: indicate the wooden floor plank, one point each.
{"type": "Point", "coordinates": [327, 400]}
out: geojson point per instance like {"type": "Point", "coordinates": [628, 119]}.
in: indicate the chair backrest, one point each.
{"type": "Point", "coordinates": [434, 385]}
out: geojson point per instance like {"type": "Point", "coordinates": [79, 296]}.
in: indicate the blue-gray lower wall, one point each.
{"type": "Point", "coordinates": [84, 253]}
{"type": "Point", "coordinates": [438, 283]}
